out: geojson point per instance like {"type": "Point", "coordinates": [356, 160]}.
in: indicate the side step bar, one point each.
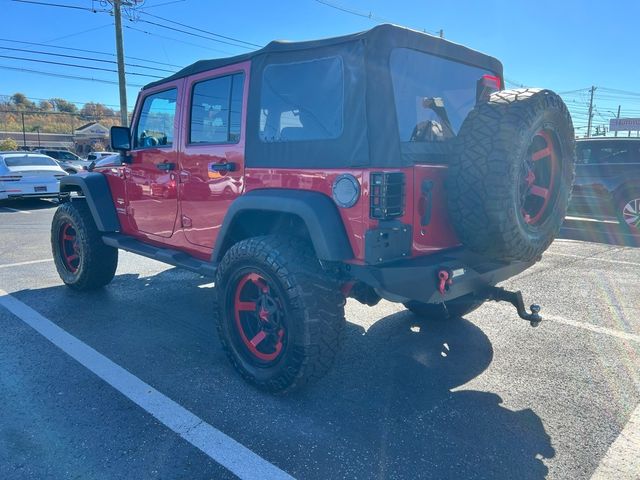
{"type": "Point", "coordinates": [165, 255]}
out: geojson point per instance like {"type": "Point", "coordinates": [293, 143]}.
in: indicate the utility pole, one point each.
{"type": "Point", "coordinates": [122, 82]}
{"type": "Point", "coordinates": [593, 89]}
{"type": "Point", "coordinates": [24, 135]}
{"type": "Point", "coordinates": [616, 134]}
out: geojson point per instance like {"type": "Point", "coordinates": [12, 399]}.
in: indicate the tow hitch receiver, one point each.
{"type": "Point", "coordinates": [515, 298]}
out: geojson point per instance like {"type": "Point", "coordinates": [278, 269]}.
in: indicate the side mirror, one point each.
{"type": "Point", "coordinates": [120, 139]}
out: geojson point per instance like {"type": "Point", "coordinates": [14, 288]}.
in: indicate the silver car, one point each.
{"type": "Point", "coordinates": [24, 174]}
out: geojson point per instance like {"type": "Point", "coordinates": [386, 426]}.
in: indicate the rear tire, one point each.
{"type": "Point", "coordinates": [455, 308]}
{"type": "Point", "coordinates": [82, 259]}
{"type": "Point", "coordinates": [511, 176]}
{"type": "Point", "coordinates": [279, 317]}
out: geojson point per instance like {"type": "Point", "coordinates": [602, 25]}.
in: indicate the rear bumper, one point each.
{"type": "Point", "coordinates": [37, 189]}
{"type": "Point", "coordinates": [417, 278]}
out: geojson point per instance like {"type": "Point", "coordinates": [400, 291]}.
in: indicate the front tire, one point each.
{"type": "Point", "coordinates": [279, 317]}
{"type": "Point", "coordinates": [82, 259]}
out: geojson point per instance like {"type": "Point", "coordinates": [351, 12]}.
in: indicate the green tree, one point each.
{"type": "Point", "coordinates": [21, 102]}
{"type": "Point", "coordinates": [62, 105]}
{"type": "Point", "coordinates": [8, 144]}
{"type": "Point", "coordinates": [45, 106]}
{"type": "Point", "coordinates": [96, 110]}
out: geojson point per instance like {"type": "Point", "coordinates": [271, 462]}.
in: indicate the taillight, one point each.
{"type": "Point", "coordinates": [387, 195]}
{"type": "Point", "coordinates": [10, 178]}
{"type": "Point", "coordinates": [492, 80]}
{"type": "Point", "coordinates": [487, 85]}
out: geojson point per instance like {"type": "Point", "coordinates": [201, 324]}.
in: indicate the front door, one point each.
{"type": "Point", "coordinates": [212, 157]}
{"type": "Point", "coordinates": [152, 177]}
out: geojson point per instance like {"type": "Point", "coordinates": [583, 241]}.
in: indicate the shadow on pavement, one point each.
{"type": "Point", "coordinates": [28, 204]}
{"type": "Point", "coordinates": [394, 406]}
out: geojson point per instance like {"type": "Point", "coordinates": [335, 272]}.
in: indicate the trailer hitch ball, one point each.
{"type": "Point", "coordinates": [534, 317]}
{"type": "Point", "coordinates": [515, 298]}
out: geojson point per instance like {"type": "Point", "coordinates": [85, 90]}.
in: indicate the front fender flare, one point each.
{"type": "Point", "coordinates": [96, 190]}
{"type": "Point", "coordinates": [316, 210]}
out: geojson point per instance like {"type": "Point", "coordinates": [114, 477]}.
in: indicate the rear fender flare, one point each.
{"type": "Point", "coordinates": [318, 212]}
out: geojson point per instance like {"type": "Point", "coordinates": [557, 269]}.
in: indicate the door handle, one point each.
{"type": "Point", "coordinates": [222, 167]}
{"type": "Point", "coordinates": [166, 166]}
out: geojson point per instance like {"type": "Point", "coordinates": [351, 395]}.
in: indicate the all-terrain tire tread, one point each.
{"type": "Point", "coordinates": [99, 261]}
{"type": "Point", "coordinates": [313, 296]}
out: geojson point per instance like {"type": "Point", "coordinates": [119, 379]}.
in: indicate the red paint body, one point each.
{"type": "Point", "coordinates": [185, 208]}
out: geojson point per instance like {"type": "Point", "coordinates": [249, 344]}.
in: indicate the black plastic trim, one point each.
{"type": "Point", "coordinates": [417, 278]}
{"type": "Point", "coordinates": [316, 210]}
{"type": "Point", "coordinates": [96, 190]}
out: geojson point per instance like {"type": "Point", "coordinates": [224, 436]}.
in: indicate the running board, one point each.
{"type": "Point", "coordinates": [165, 255]}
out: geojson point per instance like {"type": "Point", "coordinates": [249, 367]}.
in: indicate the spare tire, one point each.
{"type": "Point", "coordinates": [511, 174]}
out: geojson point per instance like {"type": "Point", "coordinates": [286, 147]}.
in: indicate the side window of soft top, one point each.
{"type": "Point", "coordinates": [216, 110]}
{"type": "Point", "coordinates": [302, 101]}
{"type": "Point", "coordinates": [156, 121]}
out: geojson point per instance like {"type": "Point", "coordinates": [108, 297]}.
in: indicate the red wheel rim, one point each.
{"type": "Point", "coordinates": [69, 248]}
{"type": "Point", "coordinates": [631, 214]}
{"type": "Point", "coordinates": [259, 318]}
{"type": "Point", "coordinates": [538, 179]}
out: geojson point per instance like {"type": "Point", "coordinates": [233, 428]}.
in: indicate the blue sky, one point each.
{"type": "Point", "coordinates": [565, 45]}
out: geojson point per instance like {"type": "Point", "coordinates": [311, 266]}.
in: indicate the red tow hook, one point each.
{"type": "Point", "coordinates": [446, 280]}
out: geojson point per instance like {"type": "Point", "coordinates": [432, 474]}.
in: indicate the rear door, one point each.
{"type": "Point", "coordinates": [151, 179]}
{"type": "Point", "coordinates": [212, 154]}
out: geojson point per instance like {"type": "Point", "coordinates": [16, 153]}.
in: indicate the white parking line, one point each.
{"type": "Point", "coordinates": [594, 328]}
{"type": "Point", "coordinates": [599, 259]}
{"type": "Point", "coordinates": [15, 211]}
{"type": "Point", "coordinates": [594, 220]}
{"type": "Point", "coordinates": [622, 460]}
{"type": "Point", "coordinates": [30, 262]}
{"type": "Point", "coordinates": [232, 455]}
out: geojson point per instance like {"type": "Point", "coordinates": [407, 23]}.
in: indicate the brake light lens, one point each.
{"type": "Point", "coordinates": [487, 85]}
{"type": "Point", "coordinates": [10, 178]}
{"type": "Point", "coordinates": [492, 80]}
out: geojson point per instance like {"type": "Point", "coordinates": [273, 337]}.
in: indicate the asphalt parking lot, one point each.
{"type": "Point", "coordinates": [486, 396]}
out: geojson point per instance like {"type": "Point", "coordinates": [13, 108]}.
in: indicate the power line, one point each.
{"type": "Point", "coordinates": [60, 75]}
{"type": "Point", "coordinates": [75, 7]}
{"type": "Point", "coordinates": [88, 51]}
{"type": "Point", "coordinates": [368, 15]}
{"type": "Point", "coordinates": [79, 33]}
{"type": "Point", "coordinates": [86, 67]}
{"type": "Point", "coordinates": [176, 40]}
{"type": "Point", "coordinates": [203, 31]}
{"type": "Point", "coordinates": [174, 29]}
{"type": "Point", "coordinates": [162, 4]}
{"type": "Point", "coordinates": [83, 58]}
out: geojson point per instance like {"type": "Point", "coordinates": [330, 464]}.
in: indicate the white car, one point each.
{"type": "Point", "coordinates": [95, 156]}
{"type": "Point", "coordinates": [24, 174]}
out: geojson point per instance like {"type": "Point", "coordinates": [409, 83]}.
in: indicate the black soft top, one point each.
{"type": "Point", "coordinates": [387, 33]}
{"type": "Point", "coordinates": [370, 135]}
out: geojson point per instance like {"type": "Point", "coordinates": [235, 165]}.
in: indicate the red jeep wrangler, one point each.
{"type": "Point", "coordinates": [384, 164]}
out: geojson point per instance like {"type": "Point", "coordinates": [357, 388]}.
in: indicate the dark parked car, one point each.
{"type": "Point", "coordinates": [607, 183]}
{"type": "Point", "coordinates": [70, 162]}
